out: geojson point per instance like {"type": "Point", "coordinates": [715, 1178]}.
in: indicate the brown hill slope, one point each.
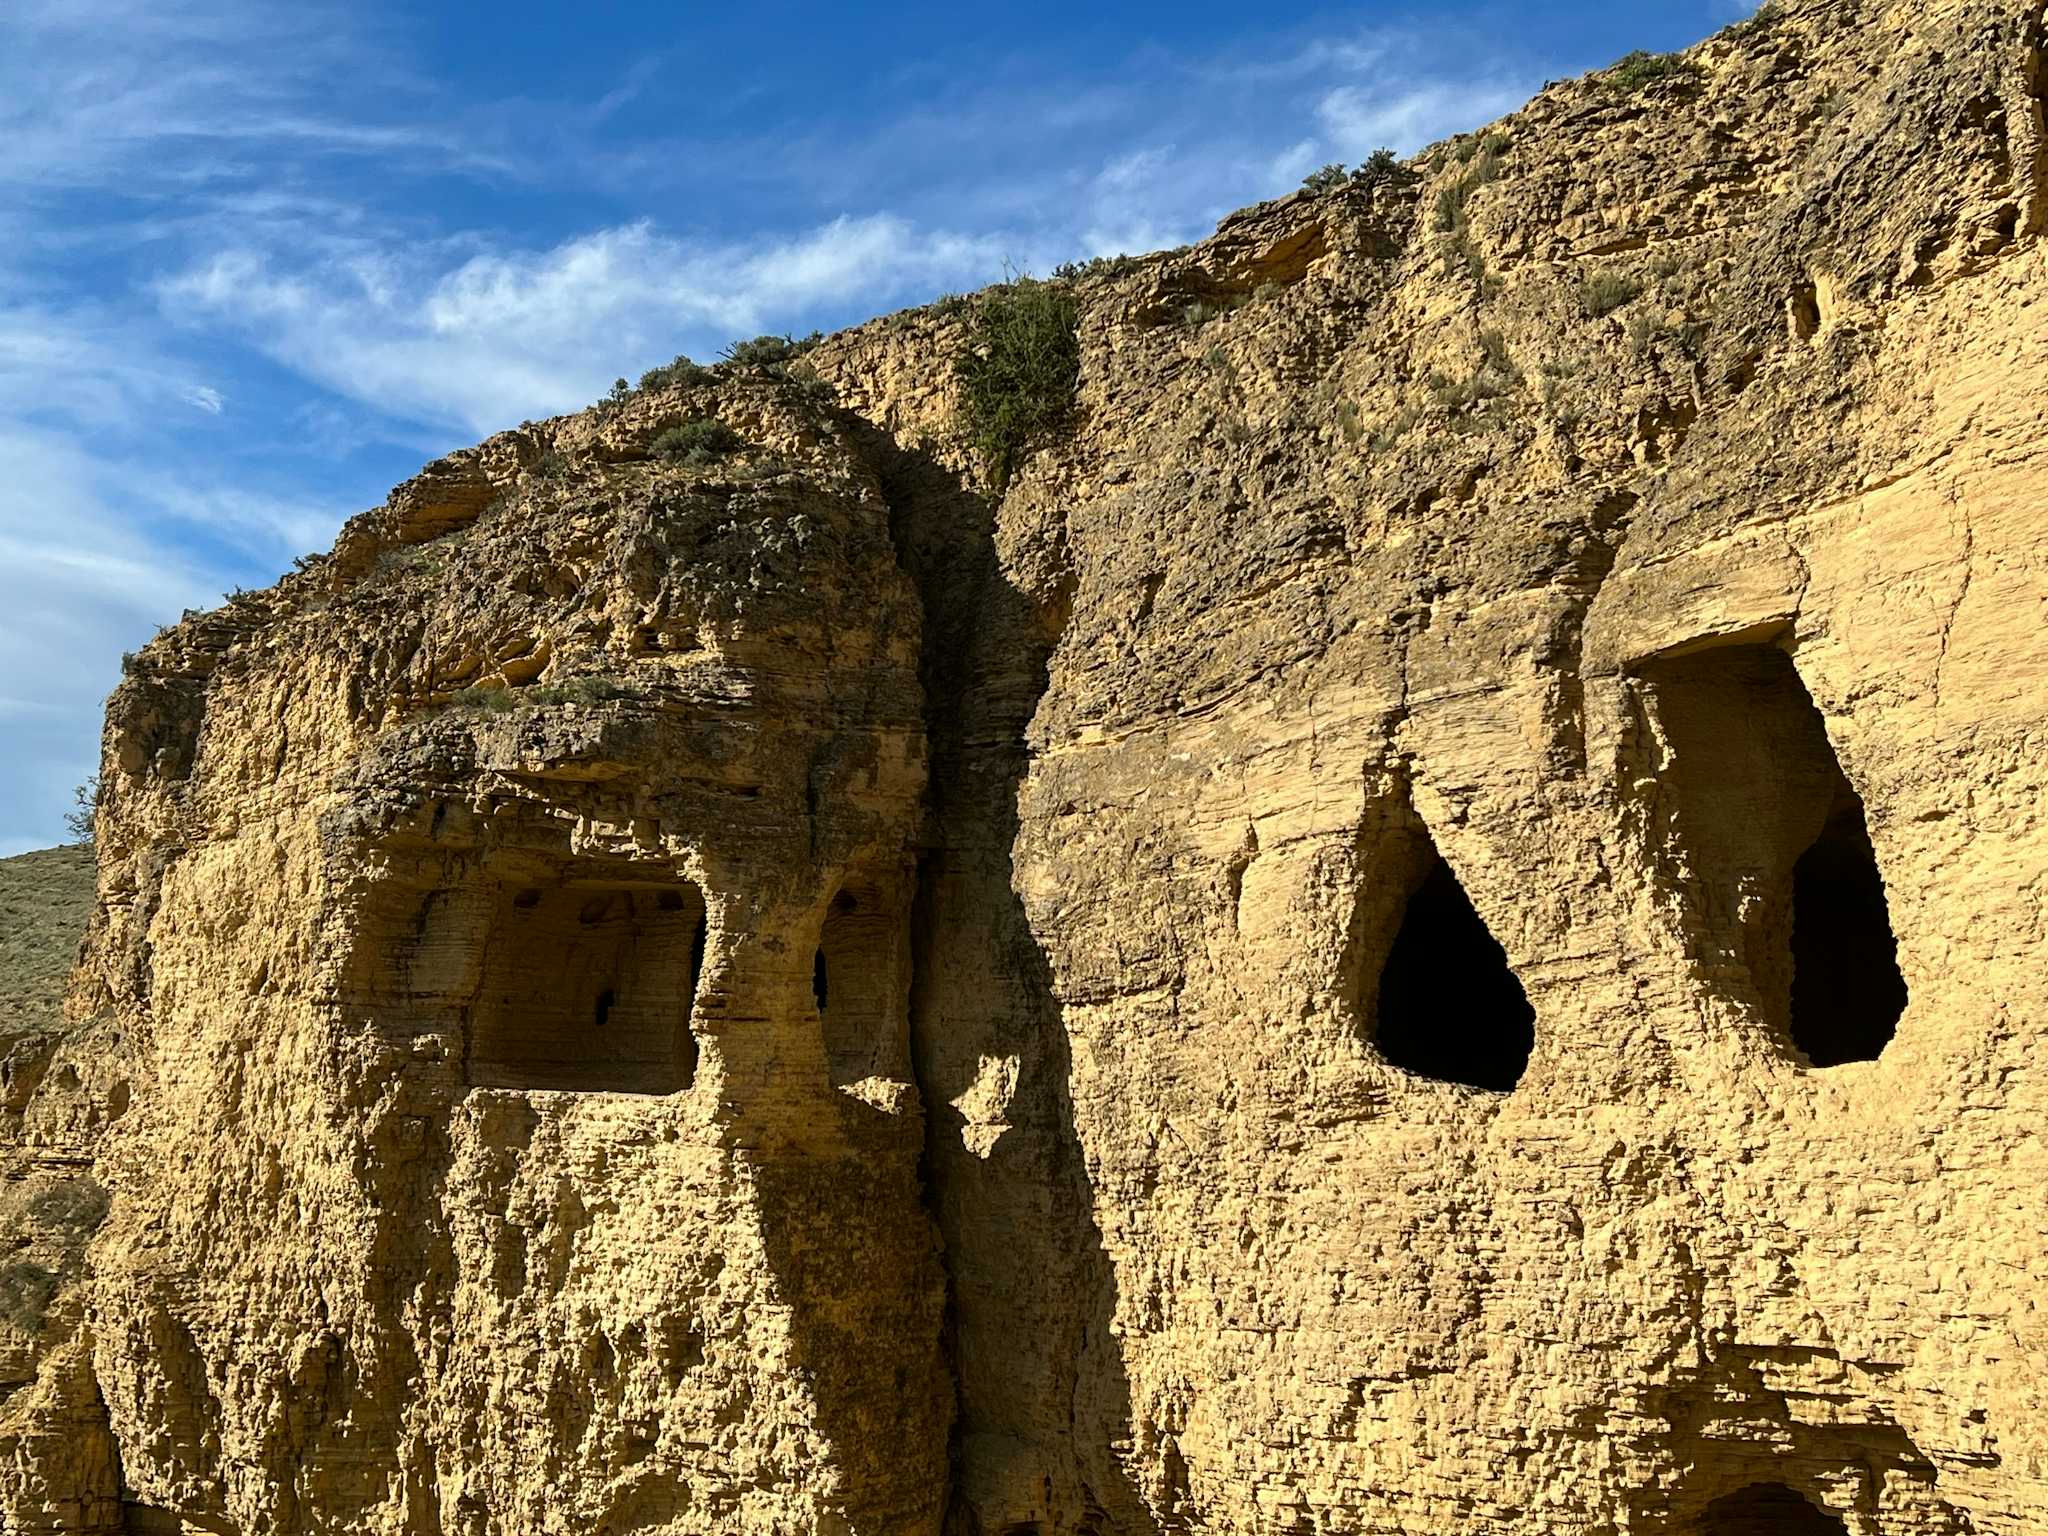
{"type": "Point", "coordinates": [45, 899]}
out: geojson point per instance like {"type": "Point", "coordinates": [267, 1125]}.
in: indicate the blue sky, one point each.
{"type": "Point", "coordinates": [259, 261]}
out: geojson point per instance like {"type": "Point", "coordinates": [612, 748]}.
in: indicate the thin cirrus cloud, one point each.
{"type": "Point", "coordinates": [78, 584]}
{"type": "Point", "coordinates": [501, 336]}
{"type": "Point", "coordinates": [1356, 119]}
{"type": "Point", "coordinates": [240, 294]}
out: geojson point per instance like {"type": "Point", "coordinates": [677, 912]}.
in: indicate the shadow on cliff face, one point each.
{"type": "Point", "coordinates": [1043, 1403]}
{"type": "Point", "coordinates": [853, 1256]}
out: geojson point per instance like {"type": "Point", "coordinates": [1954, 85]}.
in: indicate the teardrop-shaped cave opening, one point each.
{"type": "Point", "coordinates": [1449, 1006]}
{"type": "Point", "coordinates": [1768, 1509]}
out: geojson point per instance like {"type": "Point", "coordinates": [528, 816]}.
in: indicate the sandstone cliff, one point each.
{"type": "Point", "coordinates": [1432, 923]}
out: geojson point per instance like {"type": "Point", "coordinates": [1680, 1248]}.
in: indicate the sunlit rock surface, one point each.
{"type": "Point", "coordinates": [1433, 923]}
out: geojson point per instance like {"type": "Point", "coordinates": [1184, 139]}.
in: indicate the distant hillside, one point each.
{"type": "Point", "coordinates": [45, 899]}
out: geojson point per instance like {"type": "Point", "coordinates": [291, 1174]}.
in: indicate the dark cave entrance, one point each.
{"type": "Point", "coordinates": [1847, 993]}
{"type": "Point", "coordinates": [588, 987]}
{"type": "Point", "coordinates": [1768, 1509]}
{"type": "Point", "coordinates": [1449, 1006]}
{"type": "Point", "coordinates": [1782, 869]}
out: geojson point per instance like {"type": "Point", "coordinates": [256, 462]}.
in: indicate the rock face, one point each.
{"type": "Point", "coordinates": [1433, 923]}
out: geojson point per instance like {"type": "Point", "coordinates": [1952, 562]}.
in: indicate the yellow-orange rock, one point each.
{"type": "Point", "coordinates": [795, 994]}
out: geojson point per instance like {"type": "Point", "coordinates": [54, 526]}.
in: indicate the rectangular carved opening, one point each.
{"type": "Point", "coordinates": [860, 980]}
{"type": "Point", "coordinates": [588, 987]}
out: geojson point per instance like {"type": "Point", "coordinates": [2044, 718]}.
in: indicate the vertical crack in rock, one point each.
{"type": "Point", "coordinates": [1041, 1400]}
{"type": "Point", "coordinates": [1590, 556]}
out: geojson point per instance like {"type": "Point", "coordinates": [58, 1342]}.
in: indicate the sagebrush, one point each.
{"type": "Point", "coordinates": [703, 441]}
{"type": "Point", "coordinates": [1017, 371]}
{"type": "Point", "coordinates": [1637, 70]}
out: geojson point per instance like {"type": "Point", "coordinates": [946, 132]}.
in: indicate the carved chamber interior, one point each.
{"type": "Point", "coordinates": [1778, 851]}
{"type": "Point", "coordinates": [860, 981]}
{"type": "Point", "coordinates": [588, 987]}
{"type": "Point", "coordinates": [1768, 1509]}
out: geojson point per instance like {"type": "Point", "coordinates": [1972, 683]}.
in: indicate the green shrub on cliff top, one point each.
{"type": "Point", "coordinates": [772, 353]}
{"type": "Point", "coordinates": [1017, 371]}
{"type": "Point", "coordinates": [1640, 69]}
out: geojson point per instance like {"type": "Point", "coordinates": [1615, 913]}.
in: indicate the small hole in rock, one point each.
{"type": "Point", "coordinates": [1802, 312]}
{"type": "Point", "coordinates": [819, 989]}
{"type": "Point", "coordinates": [1449, 1006]}
{"type": "Point", "coordinates": [604, 1007]}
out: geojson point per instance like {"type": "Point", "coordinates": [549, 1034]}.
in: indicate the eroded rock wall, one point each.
{"type": "Point", "coordinates": [493, 1170]}
{"type": "Point", "coordinates": [1410, 540]}
{"type": "Point", "coordinates": [789, 993]}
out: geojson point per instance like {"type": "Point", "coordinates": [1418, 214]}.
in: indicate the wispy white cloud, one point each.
{"type": "Point", "coordinates": [81, 363]}
{"type": "Point", "coordinates": [220, 266]}
{"type": "Point", "coordinates": [482, 341]}
{"type": "Point", "coordinates": [627, 90]}
{"type": "Point", "coordinates": [1358, 119]}
{"type": "Point", "coordinates": [78, 586]}
{"type": "Point", "coordinates": [107, 531]}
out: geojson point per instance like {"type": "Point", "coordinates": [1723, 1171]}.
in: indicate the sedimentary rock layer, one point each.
{"type": "Point", "coordinates": [1433, 922]}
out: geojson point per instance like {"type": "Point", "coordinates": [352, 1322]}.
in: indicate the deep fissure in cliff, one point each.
{"type": "Point", "coordinates": [1778, 855]}
{"type": "Point", "coordinates": [1030, 1292]}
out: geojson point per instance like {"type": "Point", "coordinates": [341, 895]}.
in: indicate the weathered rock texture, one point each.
{"type": "Point", "coordinates": [796, 995]}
